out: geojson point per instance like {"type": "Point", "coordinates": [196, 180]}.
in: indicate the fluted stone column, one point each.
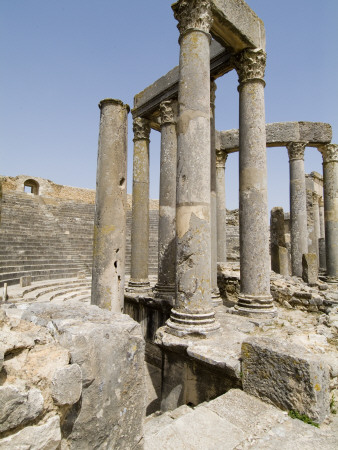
{"type": "Point", "coordinates": [316, 222]}
{"type": "Point", "coordinates": [221, 158]}
{"type": "Point", "coordinates": [193, 312]}
{"type": "Point", "coordinates": [139, 281]}
{"type": "Point", "coordinates": [298, 215]}
{"type": "Point", "coordinates": [330, 175]}
{"type": "Point", "coordinates": [165, 287]}
{"type": "Point", "coordinates": [110, 207]}
{"type": "Point", "coordinates": [255, 298]}
{"type": "Point", "coordinates": [215, 295]}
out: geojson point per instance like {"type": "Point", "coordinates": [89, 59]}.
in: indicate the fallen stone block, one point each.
{"type": "Point", "coordinates": [18, 408]}
{"type": "Point", "coordinates": [67, 385]}
{"type": "Point", "coordinates": [310, 268]}
{"type": "Point", "coordinates": [287, 376]}
{"type": "Point", "coordinates": [42, 437]}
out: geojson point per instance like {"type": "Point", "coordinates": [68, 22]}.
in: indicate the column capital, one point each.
{"type": "Point", "coordinates": [213, 88]}
{"type": "Point", "coordinates": [329, 152]}
{"type": "Point", "coordinates": [168, 112]}
{"type": "Point", "coordinates": [250, 65]}
{"type": "Point", "coordinates": [296, 150]}
{"type": "Point", "coordinates": [221, 157]}
{"type": "Point", "coordinates": [193, 15]}
{"type": "Point", "coordinates": [141, 128]}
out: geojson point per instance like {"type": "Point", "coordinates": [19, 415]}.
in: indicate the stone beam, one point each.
{"type": "Point", "coordinates": [279, 134]}
{"type": "Point", "coordinates": [147, 102]}
{"type": "Point", "coordinates": [235, 25]}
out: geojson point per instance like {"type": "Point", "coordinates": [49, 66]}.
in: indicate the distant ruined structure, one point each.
{"type": "Point", "coordinates": [221, 347]}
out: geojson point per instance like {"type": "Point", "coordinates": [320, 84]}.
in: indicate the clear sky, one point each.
{"type": "Point", "coordinates": [61, 57]}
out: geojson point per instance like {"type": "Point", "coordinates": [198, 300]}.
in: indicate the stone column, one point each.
{"type": "Point", "coordinates": [255, 298]}
{"type": "Point", "coordinates": [110, 207]}
{"type": "Point", "coordinates": [221, 158]}
{"type": "Point", "coordinates": [316, 222]}
{"type": "Point", "coordinates": [165, 287]}
{"type": "Point", "coordinates": [139, 281]}
{"type": "Point", "coordinates": [193, 312]}
{"type": "Point", "coordinates": [298, 215]}
{"type": "Point", "coordinates": [279, 254]}
{"type": "Point", "coordinates": [330, 174]}
{"type": "Point", "coordinates": [215, 295]}
{"type": "Point", "coordinates": [321, 245]}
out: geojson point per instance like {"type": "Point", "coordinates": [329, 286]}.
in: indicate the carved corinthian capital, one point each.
{"type": "Point", "coordinates": [141, 128]}
{"type": "Point", "coordinates": [167, 112]}
{"type": "Point", "coordinates": [296, 150]}
{"type": "Point", "coordinates": [221, 157]}
{"type": "Point", "coordinates": [329, 152]}
{"type": "Point", "coordinates": [250, 65]}
{"type": "Point", "coordinates": [193, 14]}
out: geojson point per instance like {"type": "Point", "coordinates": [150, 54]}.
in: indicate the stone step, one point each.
{"type": "Point", "coordinates": [235, 420]}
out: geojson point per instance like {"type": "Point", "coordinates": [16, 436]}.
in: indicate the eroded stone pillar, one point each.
{"type": "Point", "coordinates": [165, 287]}
{"type": "Point", "coordinates": [255, 298]}
{"type": "Point", "coordinates": [316, 223]}
{"type": "Point", "coordinates": [330, 175]}
{"type": "Point", "coordinates": [110, 207]}
{"type": "Point", "coordinates": [139, 281]}
{"type": "Point", "coordinates": [321, 244]}
{"type": "Point", "coordinates": [277, 241]}
{"type": "Point", "coordinates": [221, 214]}
{"type": "Point", "coordinates": [215, 295]}
{"type": "Point", "coordinates": [298, 215]}
{"type": "Point", "coordinates": [193, 312]}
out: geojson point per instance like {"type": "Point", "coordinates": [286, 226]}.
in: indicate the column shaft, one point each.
{"type": "Point", "coordinates": [316, 223]}
{"type": "Point", "coordinates": [298, 215]}
{"type": "Point", "coordinates": [221, 157]}
{"type": "Point", "coordinates": [330, 174]}
{"type": "Point", "coordinates": [165, 288]}
{"type": "Point", "coordinates": [140, 208]}
{"type": "Point", "coordinates": [254, 298]}
{"type": "Point", "coordinates": [110, 208]}
{"type": "Point", "coordinates": [193, 313]}
{"type": "Point", "coordinates": [215, 295]}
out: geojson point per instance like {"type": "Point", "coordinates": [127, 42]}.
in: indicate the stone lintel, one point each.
{"type": "Point", "coordinates": [147, 102]}
{"type": "Point", "coordinates": [236, 25]}
{"type": "Point", "coordinates": [279, 134]}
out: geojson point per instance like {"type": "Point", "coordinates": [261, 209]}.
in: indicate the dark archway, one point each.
{"type": "Point", "coordinates": [31, 187]}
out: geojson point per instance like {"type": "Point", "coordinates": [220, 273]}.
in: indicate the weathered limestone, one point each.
{"type": "Point", "coordinates": [286, 375]}
{"type": "Point", "coordinates": [279, 134]}
{"type": "Point", "coordinates": [330, 174]}
{"type": "Point", "coordinates": [139, 281]}
{"type": "Point", "coordinates": [67, 385]}
{"type": "Point", "coordinates": [111, 203]}
{"type": "Point", "coordinates": [215, 295]}
{"type": "Point", "coordinates": [321, 241]}
{"type": "Point", "coordinates": [165, 286]}
{"type": "Point", "coordinates": [255, 298]}
{"type": "Point", "coordinates": [316, 223]}
{"type": "Point", "coordinates": [193, 313]}
{"type": "Point", "coordinates": [279, 259]}
{"type": "Point", "coordinates": [221, 212]}
{"type": "Point", "coordinates": [298, 215]}
{"type": "Point", "coordinates": [310, 268]}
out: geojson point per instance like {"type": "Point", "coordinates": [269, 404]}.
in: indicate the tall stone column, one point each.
{"type": "Point", "coordinates": [322, 250]}
{"type": "Point", "coordinates": [215, 295]}
{"type": "Point", "coordinates": [330, 174]}
{"type": "Point", "coordinates": [193, 312]}
{"type": "Point", "coordinates": [316, 222]}
{"type": "Point", "coordinates": [221, 158]}
{"type": "Point", "coordinates": [110, 207]}
{"type": "Point", "coordinates": [298, 215]}
{"type": "Point", "coordinates": [255, 298]}
{"type": "Point", "coordinates": [139, 281]}
{"type": "Point", "coordinates": [165, 287]}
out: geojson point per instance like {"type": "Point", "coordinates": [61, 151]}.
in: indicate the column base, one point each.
{"type": "Point", "coordinates": [255, 306]}
{"type": "Point", "coordinates": [216, 298]}
{"type": "Point", "coordinates": [330, 280]}
{"type": "Point", "coordinates": [166, 292]}
{"type": "Point", "coordinates": [194, 325]}
{"type": "Point", "coordinates": [139, 287]}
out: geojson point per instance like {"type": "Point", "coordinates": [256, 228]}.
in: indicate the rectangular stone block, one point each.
{"type": "Point", "coordinates": [287, 376]}
{"type": "Point", "coordinates": [310, 268]}
{"type": "Point", "coordinates": [25, 281]}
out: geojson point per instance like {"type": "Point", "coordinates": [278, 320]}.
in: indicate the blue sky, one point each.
{"type": "Point", "coordinates": [61, 57]}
